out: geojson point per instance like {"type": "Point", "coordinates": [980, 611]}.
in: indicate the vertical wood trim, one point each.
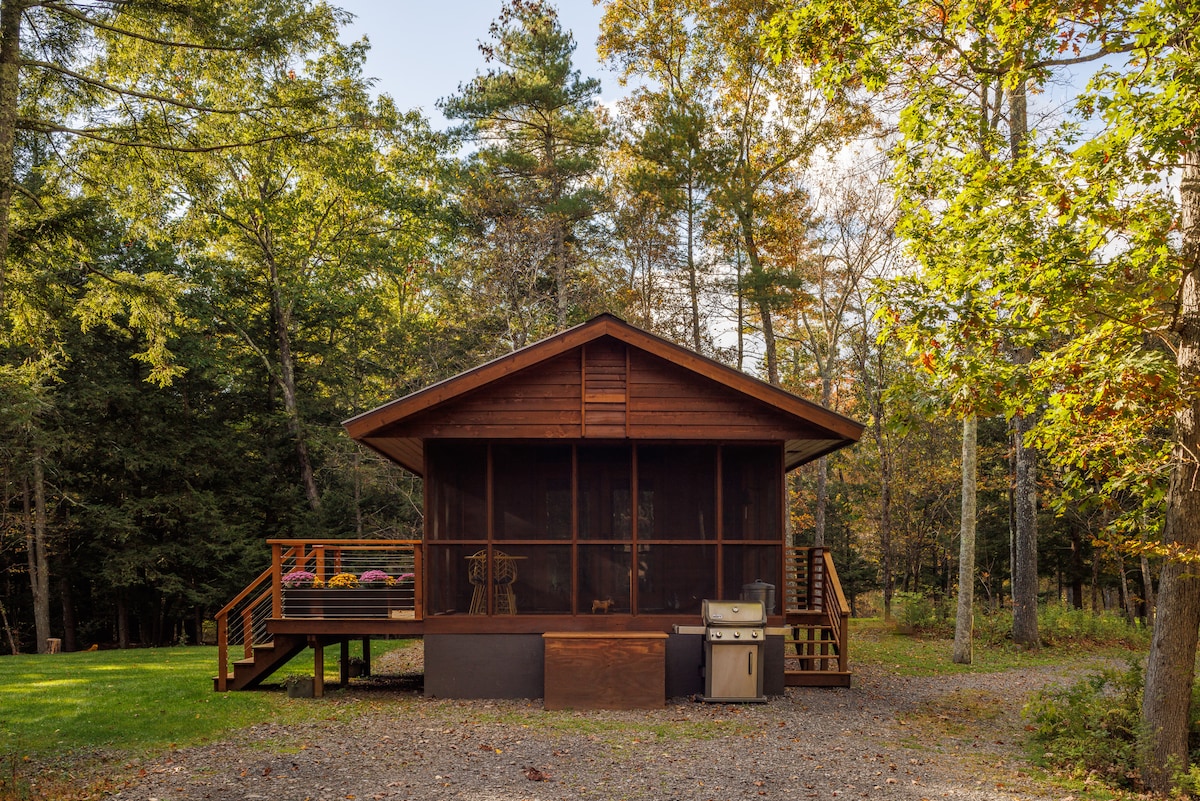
{"type": "Point", "coordinates": [782, 527]}
{"type": "Point", "coordinates": [719, 523]}
{"type": "Point", "coordinates": [222, 654]}
{"type": "Point", "coordinates": [491, 526]}
{"type": "Point", "coordinates": [276, 580]}
{"type": "Point", "coordinates": [419, 587]}
{"type": "Point", "coordinates": [583, 390]}
{"type": "Point", "coordinates": [575, 528]}
{"type": "Point", "coordinates": [633, 532]}
{"type": "Point", "coordinates": [628, 391]}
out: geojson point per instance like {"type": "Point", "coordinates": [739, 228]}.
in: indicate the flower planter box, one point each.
{"type": "Point", "coordinates": [345, 603]}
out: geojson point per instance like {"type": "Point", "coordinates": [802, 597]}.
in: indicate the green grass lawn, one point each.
{"type": "Point", "coordinates": [1067, 635]}
{"type": "Point", "coordinates": [136, 700]}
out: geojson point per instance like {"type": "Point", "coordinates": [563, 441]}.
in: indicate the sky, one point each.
{"type": "Point", "coordinates": [422, 50]}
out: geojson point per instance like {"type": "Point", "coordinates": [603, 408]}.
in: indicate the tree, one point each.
{"type": "Point", "coordinates": [667, 147]}
{"type": "Point", "coordinates": [965, 609]}
{"type": "Point", "coordinates": [1103, 261]}
{"type": "Point", "coordinates": [748, 126]}
{"type": "Point", "coordinates": [539, 135]}
{"type": "Point", "coordinates": [122, 72]}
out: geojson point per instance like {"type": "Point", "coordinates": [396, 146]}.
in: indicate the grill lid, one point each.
{"type": "Point", "coordinates": [733, 613]}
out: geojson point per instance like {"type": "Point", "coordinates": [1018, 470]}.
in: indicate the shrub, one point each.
{"type": "Point", "coordinates": [1092, 726]}
{"type": "Point", "coordinates": [924, 614]}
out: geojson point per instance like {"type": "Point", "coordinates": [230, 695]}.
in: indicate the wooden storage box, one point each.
{"type": "Point", "coordinates": [605, 670]}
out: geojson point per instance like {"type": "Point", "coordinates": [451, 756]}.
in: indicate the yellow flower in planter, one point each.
{"type": "Point", "coordinates": [343, 581]}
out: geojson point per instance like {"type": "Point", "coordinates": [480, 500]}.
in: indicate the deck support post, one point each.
{"type": "Point", "coordinates": [318, 667]}
{"type": "Point", "coordinates": [366, 656]}
{"type": "Point", "coordinates": [344, 663]}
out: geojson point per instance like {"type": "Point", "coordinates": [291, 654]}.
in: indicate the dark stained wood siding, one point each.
{"type": "Point", "coordinates": [669, 402]}
{"type": "Point", "coordinates": [605, 389]}
{"type": "Point", "coordinates": [541, 402]}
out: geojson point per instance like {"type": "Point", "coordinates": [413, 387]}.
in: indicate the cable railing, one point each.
{"type": "Point", "coordinates": [348, 578]}
{"type": "Point", "coordinates": [330, 579]}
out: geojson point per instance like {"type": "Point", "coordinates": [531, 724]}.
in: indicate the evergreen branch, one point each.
{"type": "Point", "coordinates": [95, 134]}
{"type": "Point", "coordinates": [128, 92]}
{"type": "Point", "coordinates": [67, 11]}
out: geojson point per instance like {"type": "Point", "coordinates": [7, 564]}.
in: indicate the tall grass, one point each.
{"type": "Point", "coordinates": [919, 642]}
{"type": "Point", "coordinates": [1057, 625]}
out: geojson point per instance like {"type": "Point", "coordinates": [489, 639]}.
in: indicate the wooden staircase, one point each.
{"type": "Point", "coordinates": [817, 618]}
{"type": "Point", "coordinates": [264, 659]}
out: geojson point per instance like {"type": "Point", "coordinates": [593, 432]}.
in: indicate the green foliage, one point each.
{"type": "Point", "coordinates": [923, 613]}
{"type": "Point", "coordinates": [1091, 727]}
{"type": "Point", "coordinates": [1058, 626]}
{"type": "Point", "coordinates": [531, 189]}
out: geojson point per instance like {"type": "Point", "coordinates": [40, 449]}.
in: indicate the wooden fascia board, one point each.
{"type": "Point", "coordinates": [806, 458]}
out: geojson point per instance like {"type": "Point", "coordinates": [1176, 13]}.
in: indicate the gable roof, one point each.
{"type": "Point", "coordinates": [452, 408]}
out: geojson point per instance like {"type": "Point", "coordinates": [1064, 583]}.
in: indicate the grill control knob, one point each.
{"type": "Point", "coordinates": [754, 634]}
{"type": "Point", "coordinates": [735, 609]}
{"type": "Point", "coordinates": [737, 635]}
{"type": "Point", "coordinates": [717, 634]}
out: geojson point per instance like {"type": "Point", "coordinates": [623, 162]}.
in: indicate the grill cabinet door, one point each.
{"type": "Point", "coordinates": [734, 673]}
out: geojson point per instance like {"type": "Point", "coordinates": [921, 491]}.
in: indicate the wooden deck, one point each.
{"type": "Point", "coordinates": [267, 624]}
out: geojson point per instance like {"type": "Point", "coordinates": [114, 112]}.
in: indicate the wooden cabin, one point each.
{"type": "Point", "coordinates": [587, 492]}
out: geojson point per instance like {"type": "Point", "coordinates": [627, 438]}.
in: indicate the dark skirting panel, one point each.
{"type": "Point", "coordinates": [513, 666]}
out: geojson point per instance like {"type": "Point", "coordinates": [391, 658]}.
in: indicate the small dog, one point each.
{"type": "Point", "coordinates": [604, 606]}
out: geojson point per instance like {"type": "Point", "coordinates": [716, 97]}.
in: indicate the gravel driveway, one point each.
{"type": "Point", "coordinates": [886, 737]}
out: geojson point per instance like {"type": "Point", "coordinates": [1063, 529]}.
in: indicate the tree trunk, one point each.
{"type": "Point", "coordinates": [1166, 703]}
{"type": "Point", "coordinates": [122, 620]}
{"type": "Point", "coordinates": [964, 619]}
{"type": "Point", "coordinates": [1024, 569]}
{"type": "Point", "coordinates": [1024, 512]}
{"type": "Point", "coordinates": [693, 278]}
{"type": "Point", "coordinates": [38, 560]}
{"type": "Point", "coordinates": [12, 641]}
{"type": "Point", "coordinates": [821, 502]}
{"type": "Point", "coordinates": [885, 508]}
{"type": "Point", "coordinates": [1126, 599]}
{"type": "Point", "coordinates": [1076, 568]}
{"type": "Point", "coordinates": [287, 384]}
{"type": "Point", "coordinates": [10, 77]}
{"type": "Point", "coordinates": [1148, 589]}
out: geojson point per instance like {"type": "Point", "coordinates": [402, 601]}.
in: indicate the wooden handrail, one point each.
{"type": "Point", "coordinates": [338, 543]}
{"type": "Point", "coordinates": [841, 624]}
{"type": "Point", "coordinates": [838, 594]}
{"type": "Point", "coordinates": [241, 596]}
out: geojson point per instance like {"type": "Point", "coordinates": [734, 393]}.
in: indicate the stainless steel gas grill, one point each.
{"type": "Point", "coordinates": [734, 635]}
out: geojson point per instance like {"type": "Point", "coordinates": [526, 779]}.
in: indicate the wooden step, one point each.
{"type": "Point", "coordinates": [267, 658]}
{"type": "Point", "coordinates": [816, 678]}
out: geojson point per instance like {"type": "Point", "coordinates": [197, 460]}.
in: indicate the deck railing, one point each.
{"type": "Point", "coordinates": [243, 621]}
{"type": "Point", "coordinates": [815, 603]}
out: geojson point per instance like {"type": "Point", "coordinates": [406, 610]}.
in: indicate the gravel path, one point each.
{"type": "Point", "coordinates": [887, 737]}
